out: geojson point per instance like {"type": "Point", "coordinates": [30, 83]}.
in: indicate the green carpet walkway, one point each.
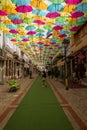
{"type": "Point", "coordinates": [39, 110]}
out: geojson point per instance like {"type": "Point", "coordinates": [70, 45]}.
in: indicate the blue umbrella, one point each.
{"type": "Point", "coordinates": [82, 7]}
{"type": "Point", "coordinates": [30, 28]}
{"type": "Point", "coordinates": [64, 32]}
{"type": "Point", "coordinates": [55, 7]}
{"type": "Point", "coordinates": [49, 32]}
{"type": "Point", "coordinates": [39, 12]}
{"type": "Point", "coordinates": [39, 34]}
{"type": "Point", "coordinates": [12, 17]}
{"type": "Point", "coordinates": [10, 26]}
{"type": "Point", "coordinates": [60, 23]}
{"type": "Point", "coordinates": [82, 19]}
{"type": "Point", "coordinates": [20, 2]}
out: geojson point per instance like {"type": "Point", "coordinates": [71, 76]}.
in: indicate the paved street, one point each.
{"type": "Point", "coordinates": [73, 101]}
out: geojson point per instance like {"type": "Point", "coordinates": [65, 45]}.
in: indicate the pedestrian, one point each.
{"type": "Point", "coordinates": [30, 73]}
{"type": "Point", "coordinates": [44, 78]}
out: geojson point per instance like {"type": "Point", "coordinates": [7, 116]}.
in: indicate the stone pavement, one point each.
{"type": "Point", "coordinates": [73, 101]}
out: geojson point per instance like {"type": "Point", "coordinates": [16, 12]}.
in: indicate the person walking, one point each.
{"type": "Point", "coordinates": [44, 78]}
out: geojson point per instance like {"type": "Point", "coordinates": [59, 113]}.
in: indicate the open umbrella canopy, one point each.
{"type": "Point", "coordinates": [38, 27]}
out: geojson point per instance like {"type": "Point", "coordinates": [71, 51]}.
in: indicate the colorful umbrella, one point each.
{"type": "Point", "coordinates": [10, 26]}
{"type": "Point", "coordinates": [58, 27]}
{"type": "Point", "coordinates": [17, 21]}
{"type": "Point", "coordinates": [77, 14]}
{"type": "Point", "coordinates": [13, 31]}
{"type": "Point", "coordinates": [2, 13]}
{"type": "Point", "coordinates": [39, 4]}
{"type": "Point", "coordinates": [57, 1]}
{"type": "Point", "coordinates": [52, 15]}
{"type": "Point", "coordinates": [20, 2]}
{"type": "Point", "coordinates": [55, 7]}
{"type": "Point", "coordinates": [39, 22]}
{"type": "Point", "coordinates": [40, 34]}
{"type": "Point", "coordinates": [24, 8]}
{"type": "Point", "coordinates": [82, 7]}
{"type": "Point", "coordinates": [31, 33]}
{"type": "Point", "coordinates": [73, 2]}
{"type": "Point", "coordinates": [39, 12]}
{"type": "Point", "coordinates": [30, 28]}
{"type": "Point", "coordinates": [75, 28]}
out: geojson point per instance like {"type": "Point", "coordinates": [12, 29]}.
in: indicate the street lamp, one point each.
{"type": "Point", "coordinates": [65, 44]}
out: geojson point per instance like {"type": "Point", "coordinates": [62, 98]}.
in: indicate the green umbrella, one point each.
{"type": "Point", "coordinates": [48, 27]}
{"type": "Point", "coordinates": [62, 19]}
{"type": "Point", "coordinates": [28, 20]}
{"type": "Point", "coordinates": [39, 30]}
{"type": "Point", "coordinates": [56, 1]}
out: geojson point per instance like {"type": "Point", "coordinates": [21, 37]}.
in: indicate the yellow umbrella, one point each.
{"type": "Point", "coordinates": [6, 31]}
{"type": "Point", "coordinates": [8, 21]}
{"type": "Point", "coordinates": [72, 19]}
{"type": "Point", "coordinates": [49, 23]}
{"type": "Point", "coordinates": [10, 9]}
{"type": "Point", "coordinates": [69, 8]}
{"type": "Point", "coordinates": [5, 2]}
{"type": "Point", "coordinates": [84, 1]}
{"type": "Point", "coordinates": [39, 4]}
{"type": "Point", "coordinates": [39, 18]}
{"type": "Point", "coordinates": [22, 33]}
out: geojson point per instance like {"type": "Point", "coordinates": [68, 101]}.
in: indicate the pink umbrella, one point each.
{"type": "Point", "coordinates": [13, 31]}
{"type": "Point", "coordinates": [49, 35]}
{"type": "Point", "coordinates": [52, 15]}
{"type": "Point", "coordinates": [75, 28]}
{"type": "Point", "coordinates": [2, 13]}
{"type": "Point", "coordinates": [17, 21]}
{"type": "Point", "coordinates": [62, 35]}
{"type": "Point", "coordinates": [73, 1]}
{"type": "Point", "coordinates": [13, 40]}
{"type": "Point", "coordinates": [31, 33]}
{"type": "Point", "coordinates": [39, 22]}
{"type": "Point", "coordinates": [25, 40]}
{"type": "Point", "coordinates": [46, 45]}
{"type": "Point", "coordinates": [52, 42]}
{"type": "Point", "coordinates": [77, 14]}
{"type": "Point", "coordinates": [58, 27]}
{"type": "Point", "coordinates": [24, 8]}
{"type": "Point", "coordinates": [40, 43]}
